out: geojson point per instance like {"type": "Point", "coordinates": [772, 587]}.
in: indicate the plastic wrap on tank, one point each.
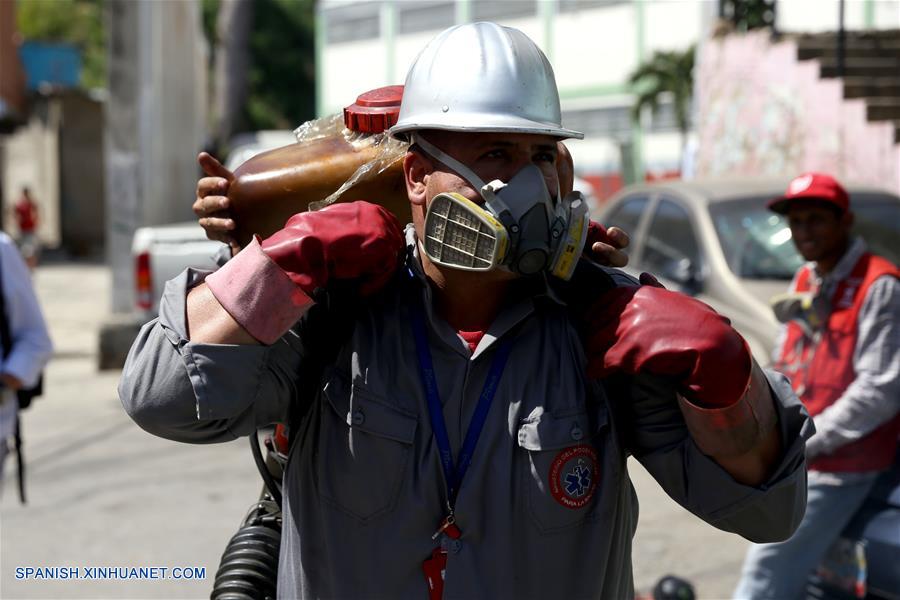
{"type": "Point", "coordinates": [389, 152]}
{"type": "Point", "coordinates": [336, 158]}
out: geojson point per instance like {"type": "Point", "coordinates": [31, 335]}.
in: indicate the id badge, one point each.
{"type": "Point", "coordinates": [434, 568]}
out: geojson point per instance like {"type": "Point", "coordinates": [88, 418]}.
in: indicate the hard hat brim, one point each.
{"type": "Point", "coordinates": [512, 125]}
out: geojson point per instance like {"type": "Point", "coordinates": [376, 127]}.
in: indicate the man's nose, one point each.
{"type": "Point", "coordinates": [514, 166]}
{"type": "Point", "coordinates": [799, 230]}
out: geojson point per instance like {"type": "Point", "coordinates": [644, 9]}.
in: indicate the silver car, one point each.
{"type": "Point", "coordinates": [716, 240]}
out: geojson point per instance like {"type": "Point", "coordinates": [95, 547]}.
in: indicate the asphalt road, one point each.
{"type": "Point", "coordinates": [103, 493]}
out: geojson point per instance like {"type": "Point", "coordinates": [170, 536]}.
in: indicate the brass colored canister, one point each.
{"type": "Point", "coordinates": [334, 159]}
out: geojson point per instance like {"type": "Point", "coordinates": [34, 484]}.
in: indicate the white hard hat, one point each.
{"type": "Point", "coordinates": [481, 77]}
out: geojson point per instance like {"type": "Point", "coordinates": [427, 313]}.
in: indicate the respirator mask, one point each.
{"type": "Point", "coordinates": [519, 227]}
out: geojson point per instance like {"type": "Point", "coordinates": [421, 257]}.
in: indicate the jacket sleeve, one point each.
{"type": "Point", "coordinates": [655, 434]}
{"type": "Point", "coordinates": [31, 345]}
{"type": "Point", "coordinates": [202, 393]}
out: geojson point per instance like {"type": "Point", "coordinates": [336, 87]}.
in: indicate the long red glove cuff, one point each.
{"type": "Point", "coordinates": [735, 429]}
{"type": "Point", "coordinates": [258, 294]}
{"type": "Point", "coordinates": [721, 385]}
{"type": "Point", "coordinates": [355, 241]}
{"type": "Point", "coordinates": [656, 331]}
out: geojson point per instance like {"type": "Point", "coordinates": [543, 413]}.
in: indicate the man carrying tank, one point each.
{"type": "Point", "coordinates": [467, 441]}
{"type": "Point", "coordinates": [840, 346]}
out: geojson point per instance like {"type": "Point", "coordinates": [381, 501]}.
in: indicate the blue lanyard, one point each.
{"type": "Point", "coordinates": [454, 476]}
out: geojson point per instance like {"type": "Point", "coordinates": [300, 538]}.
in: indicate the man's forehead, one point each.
{"type": "Point", "coordinates": [806, 206]}
{"type": "Point", "coordinates": [486, 139]}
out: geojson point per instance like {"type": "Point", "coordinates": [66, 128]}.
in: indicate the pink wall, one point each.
{"type": "Point", "coordinates": [763, 112]}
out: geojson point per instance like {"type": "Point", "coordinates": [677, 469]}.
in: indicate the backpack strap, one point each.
{"type": "Point", "coordinates": [20, 460]}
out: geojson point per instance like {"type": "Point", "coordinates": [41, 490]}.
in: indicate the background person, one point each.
{"type": "Point", "coordinates": [31, 347]}
{"type": "Point", "coordinates": [472, 424]}
{"type": "Point", "coordinates": [840, 346]}
{"type": "Point", "coordinates": [26, 214]}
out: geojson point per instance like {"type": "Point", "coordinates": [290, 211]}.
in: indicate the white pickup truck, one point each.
{"type": "Point", "coordinates": [161, 252]}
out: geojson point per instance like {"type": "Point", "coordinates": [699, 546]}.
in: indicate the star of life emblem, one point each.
{"type": "Point", "coordinates": [574, 476]}
{"type": "Point", "coordinates": [578, 480]}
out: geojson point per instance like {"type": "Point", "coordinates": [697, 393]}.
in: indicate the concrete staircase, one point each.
{"type": "Point", "coordinates": [871, 69]}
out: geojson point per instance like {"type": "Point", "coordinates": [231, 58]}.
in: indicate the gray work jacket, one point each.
{"type": "Point", "coordinates": [546, 509]}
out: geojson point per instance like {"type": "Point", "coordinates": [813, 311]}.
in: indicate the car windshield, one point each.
{"type": "Point", "coordinates": [877, 221]}
{"type": "Point", "coordinates": [757, 243]}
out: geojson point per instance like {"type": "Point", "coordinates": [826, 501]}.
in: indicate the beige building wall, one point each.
{"type": "Point", "coordinates": [31, 159]}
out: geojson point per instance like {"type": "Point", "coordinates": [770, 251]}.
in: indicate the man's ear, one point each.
{"type": "Point", "coordinates": [416, 170]}
{"type": "Point", "coordinates": [565, 168]}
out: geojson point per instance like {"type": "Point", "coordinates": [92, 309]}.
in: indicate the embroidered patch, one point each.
{"type": "Point", "coordinates": [574, 476]}
{"type": "Point", "coordinates": [800, 184]}
{"type": "Point", "coordinates": [846, 300]}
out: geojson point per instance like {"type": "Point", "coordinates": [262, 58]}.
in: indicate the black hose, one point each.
{"type": "Point", "coordinates": [264, 470]}
{"type": "Point", "coordinates": [249, 566]}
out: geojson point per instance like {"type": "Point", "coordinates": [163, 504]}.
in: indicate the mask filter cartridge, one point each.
{"type": "Point", "coordinates": [461, 234]}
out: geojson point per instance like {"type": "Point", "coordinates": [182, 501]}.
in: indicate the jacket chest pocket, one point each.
{"type": "Point", "coordinates": [563, 468]}
{"type": "Point", "coordinates": [364, 449]}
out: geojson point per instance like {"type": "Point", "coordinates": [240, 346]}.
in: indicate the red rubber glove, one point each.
{"type": "Point", "coordinates": [596, 233]}
{"type": "Point", "coordinates": [350, 241]}
{"type": "Point", "coordinates": [610, 245]}
{"type": "Point", "coordinates": [266, 288]}
{"type": "Point", "coordinates": [649, 329]}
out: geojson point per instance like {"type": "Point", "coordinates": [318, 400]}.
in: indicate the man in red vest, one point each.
{"type": "Point", "coordinates": [840, 346]}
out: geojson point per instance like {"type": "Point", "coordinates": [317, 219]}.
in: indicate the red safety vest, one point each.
{"type": "Point", "coordinates": [820, 372]}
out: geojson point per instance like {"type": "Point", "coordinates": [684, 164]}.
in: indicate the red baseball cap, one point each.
{"type": "Point", "coordinates": [812, 186]}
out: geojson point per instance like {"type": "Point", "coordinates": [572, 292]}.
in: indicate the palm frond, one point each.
{"type": "Point", "coordinates": [666, 72]}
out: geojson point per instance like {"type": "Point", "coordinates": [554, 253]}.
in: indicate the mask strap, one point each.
{"type": "Point", "coordinates": [438, 154]}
